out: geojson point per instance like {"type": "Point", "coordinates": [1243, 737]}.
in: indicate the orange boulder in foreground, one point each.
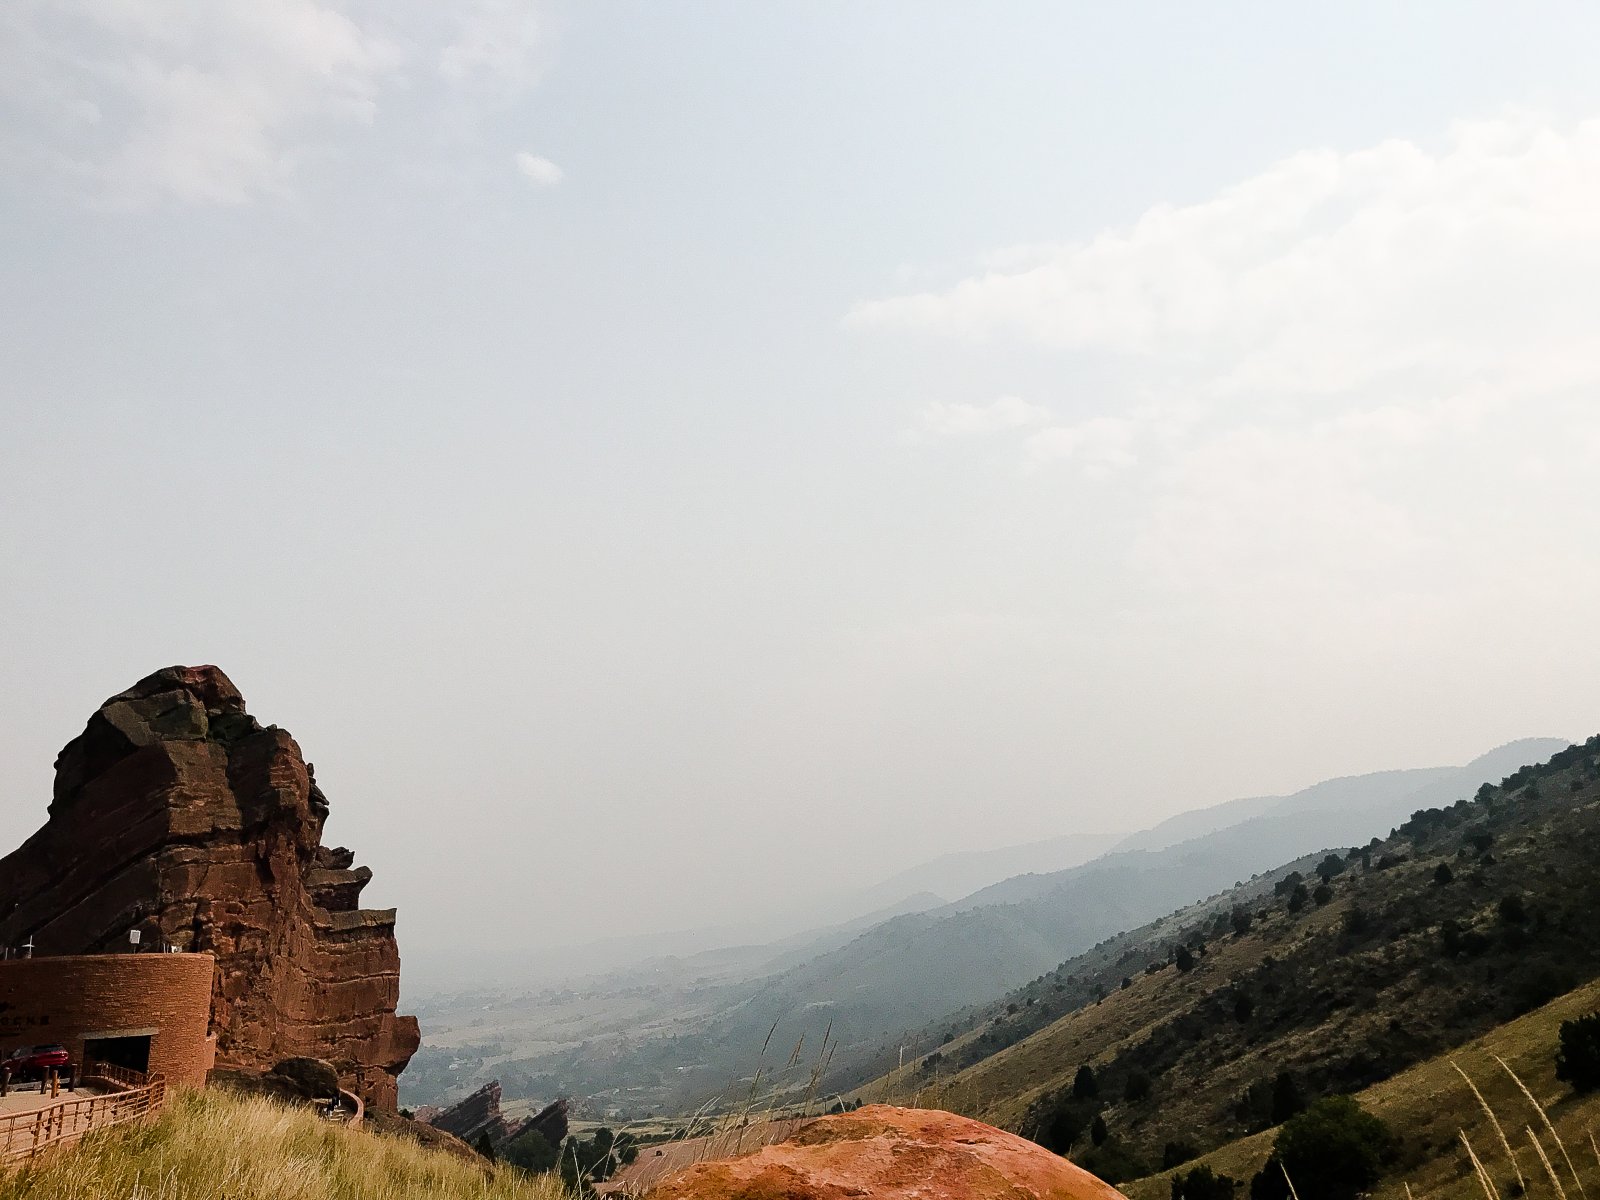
{"type": "Point", "coordinates": [886, 1153]}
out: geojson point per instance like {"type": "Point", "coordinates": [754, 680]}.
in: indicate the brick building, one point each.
{"type": "Point", "coordinates": [146, 1012]}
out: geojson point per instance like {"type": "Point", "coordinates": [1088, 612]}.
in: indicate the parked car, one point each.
{"type": "Point", "coordinates": [35, 1062]}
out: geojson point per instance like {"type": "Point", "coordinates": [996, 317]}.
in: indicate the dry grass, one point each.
{"type": "Point", "coordinates": [216, 1146]}
{"type": "Point", "coordinates": [1443, 1104]}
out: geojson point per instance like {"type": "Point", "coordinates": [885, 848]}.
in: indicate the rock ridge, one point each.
{"type": "Point", "coordinates": [178, 814]}
{"type": "Point", "coordinates": [478, 1113]}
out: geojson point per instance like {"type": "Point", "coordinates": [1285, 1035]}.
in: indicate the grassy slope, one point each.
{"type": "Point", "coordinates": [1429, 1104]}
{"type": "Point", "coordinates": [213, 1144]}
{"type": "Point", "coordinates": [1339, 1012]}
{"type": "Point", "coordinates": [1000, 1088]}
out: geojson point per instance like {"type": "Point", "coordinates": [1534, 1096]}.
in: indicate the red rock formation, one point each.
{"type": "Point", "coordinates": [177, 814]}
{"type": "Point", "coordinates": [475, 1115]}
{"type": "Point", "coordinates": [891, 1154]}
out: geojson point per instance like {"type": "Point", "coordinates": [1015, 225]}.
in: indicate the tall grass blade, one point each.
{"type": "Point", "coordinates": [1286, 1179]}
{"type": "Point", "coordinates": [1555, 1181]}
{"type": "Point", "coordinates": [1543, 1116]}
{"type": "Point", "coordinates": [1489, 1190]}
{"type": "Point", "coordinates": [1505, 1142]}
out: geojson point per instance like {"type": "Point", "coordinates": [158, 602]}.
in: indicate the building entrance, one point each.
{"type": "Point", "coordinates": [129, 1053]}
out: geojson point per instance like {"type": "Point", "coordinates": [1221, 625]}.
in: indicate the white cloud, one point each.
{"type": "Point", "coordinates": [962, 420]}
{"type": "Point", "coordinates": [539, 171]}
{"type": "Point", "coordinates": [1324, 272]}
{"type": "Point", "coordinates": [1101, 444]}
{"type": "Point", "coordinates": [497, 46]}
{"type": "Point", "coordinates": [196, 103]}
{"type": "Point", "coordinates": [1356, 396]}
{"type": "Point", "coordinates": [141, 101]}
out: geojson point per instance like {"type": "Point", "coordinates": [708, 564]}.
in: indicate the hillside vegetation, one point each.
{"type": "Point", "coordinates": [1220, 1023]}
{"type": "Point", "coordinates": [1430, 1105]}
{"type": "Point", "coordinates": [214, 1144]}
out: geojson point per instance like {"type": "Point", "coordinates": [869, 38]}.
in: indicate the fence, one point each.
{"type": "Point", "coordinates": [25, 1134]}
{"type": "Point", "coordinates": [122, 1076]}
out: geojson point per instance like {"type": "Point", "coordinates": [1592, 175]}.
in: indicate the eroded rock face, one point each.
{"type": "Point", "coordinates": [473, 1116]}
{"type": "Point", "coordinates": [891, 1154]}
{"type": "Point", "coordinates": [178, 814]}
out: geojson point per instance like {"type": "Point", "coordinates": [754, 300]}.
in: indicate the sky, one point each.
{"type": "Point", "coordinates": [668, 462]}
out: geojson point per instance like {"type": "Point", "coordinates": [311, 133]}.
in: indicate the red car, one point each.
{"type": "Point", "coordinates": [34, 1062]}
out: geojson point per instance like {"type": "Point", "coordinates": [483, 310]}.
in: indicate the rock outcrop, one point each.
{"type": "Point", "coordinates": [891, 1154]}
{"type": "Point", "coordinates": [473, 1116]}
{"type": "Point", "coordinates": [178, 814]}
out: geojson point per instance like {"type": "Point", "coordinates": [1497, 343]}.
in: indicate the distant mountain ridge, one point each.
{"type": "Point", "coordinates": [902, 973]}
{"type": "Point", "coordinates": [963, 872]}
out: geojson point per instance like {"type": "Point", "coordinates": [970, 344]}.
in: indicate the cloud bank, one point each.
{"type": "Point", "coordinates": [1359, 386]}
{"type": "Point", "coordinates": [137, 102]}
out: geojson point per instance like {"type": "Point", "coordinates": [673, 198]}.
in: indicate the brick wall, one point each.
{"type": "Point", "coordinates": [63, 998]}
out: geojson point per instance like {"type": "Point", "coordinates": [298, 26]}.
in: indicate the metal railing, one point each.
{"type": "Point", "coordinates": [108, 1073]}
{"type": "Point", "coordinates": [25, 1134]}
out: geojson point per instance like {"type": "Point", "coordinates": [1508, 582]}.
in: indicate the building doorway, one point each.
{"type": "Point", "coordinates": [131, 1053]}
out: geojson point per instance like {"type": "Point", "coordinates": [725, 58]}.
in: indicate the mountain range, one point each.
{"type": "Point", "coordinates": [668, 1035]}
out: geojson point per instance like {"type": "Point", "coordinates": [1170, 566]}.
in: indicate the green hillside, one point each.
{"type": "Point", "coordinates": [1431, 1106]}
{"type": "Point", "coordinates": [1465, 918]}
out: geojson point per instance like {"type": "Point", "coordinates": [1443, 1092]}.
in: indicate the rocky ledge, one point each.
{"type": "Point", "coordinates": [891, 1153]}
{"type": "Point", "coordinates": [178, 814]}
{"type": "Point", "coordinates": [478, 1114]}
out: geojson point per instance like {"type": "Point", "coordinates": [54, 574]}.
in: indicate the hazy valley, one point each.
{"type": "Point", "coordinates": [670, 1034]}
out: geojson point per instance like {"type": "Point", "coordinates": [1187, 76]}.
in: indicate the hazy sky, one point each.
{"type": "Point", "coordinates": [662, 459]}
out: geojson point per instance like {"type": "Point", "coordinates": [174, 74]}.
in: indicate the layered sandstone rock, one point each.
{"type": "Point", "coordinates": [479, 1113]}
{"type": "Point", "coordinates": [891, 1154]}
{"type": "Point", "coordinates": [178, 814]}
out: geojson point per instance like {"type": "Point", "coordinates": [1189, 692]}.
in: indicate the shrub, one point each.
{"type": "Point", "coordinates": [1113, 1162]}
{"type": "Point", "coordinates": [1512, 909]}
{"type": "Point", "coordinates": [1137, 1088]}
{"type": "Point", "coordinates": [1286, 1098]}
{"type": "Point", "coordinates": [1057, 1131]}
{"type": "Point", "coordinates": [1084, 1084]}
{"type": "Point", "coordinates": [1184, 959]}
{"type": "Point", "coordinates": [1243, 1007]}
{"type": "Point", "coordinates": [1175, 1154]}
{"type": "Point", "coordinates": [1203, 1184]}
{"type": "Point", "coordinates": [1329, 867]}
{"type": "Point", "coordinates": [532, 1151]}
{"type": "Point", "coordinates": [1578, 1059]}
{"type": "Point", "coordinates": [1442, 874]}
{"type": "Point", "coordinates": [1322, 895]}
{"type": "Point", "coordinates": [1263, 1103]}
{"type": "Point", "coordinates": [1240, 920]}
{"type": "Point", "coordinates": [1335, 1150]}
{"type": "Point", "coordinates": [595, 1159]}
{"type": "Point", "coordinates": [1538, 984]}
{"type": "Point", "coordinates": [1098, 1131]}
{"type": "Point", "coordinates": [1298, 897]}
